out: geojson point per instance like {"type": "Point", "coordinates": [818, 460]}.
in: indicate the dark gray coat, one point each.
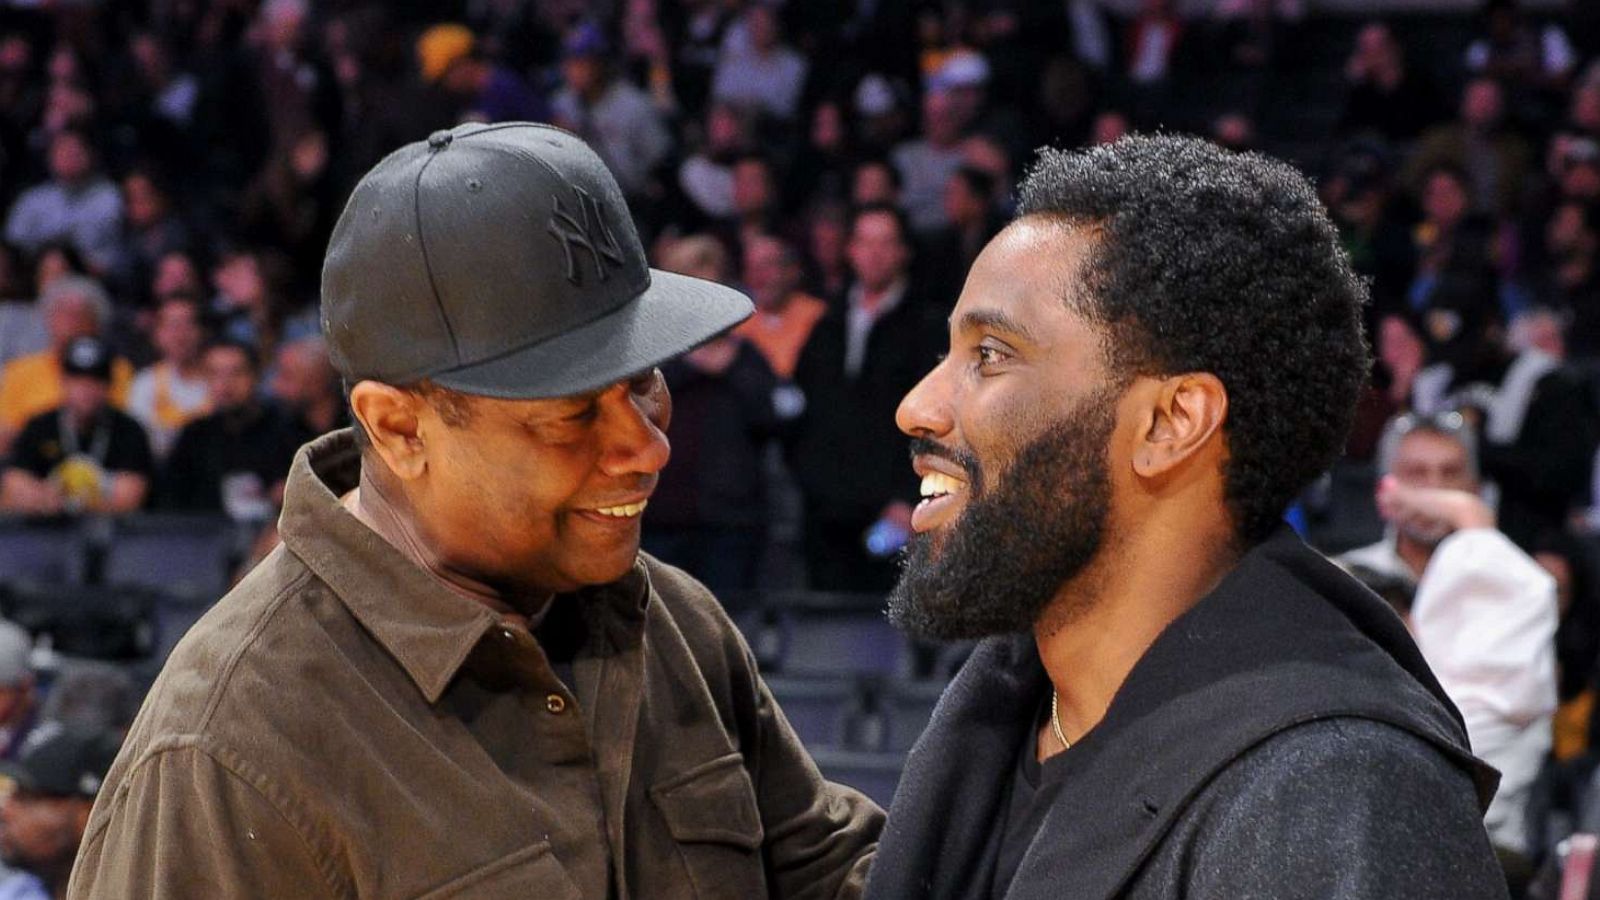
{"type": "Point", "coordinates": [1282, 739]}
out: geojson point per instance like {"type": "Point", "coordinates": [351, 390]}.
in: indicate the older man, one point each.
{"type": "Point", "coordinates": [73, 307]}
{"type": "Point", "coordinates": [1175, 697]}
{"type": "Point", "coordinates": [458, 676]}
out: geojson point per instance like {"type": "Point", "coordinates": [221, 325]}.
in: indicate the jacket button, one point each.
{"type": "Point", "coordinates": [555, 704]}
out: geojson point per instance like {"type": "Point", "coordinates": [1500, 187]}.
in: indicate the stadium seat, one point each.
{"type": "Point", "coordinates": [37, 551]}
{"type": "Point", "coordinates": [92, 621]}
{"type": "Point", "coordinates": [819, 710]}
{"type": "Point", "coordinates": [873, 774]}
{"type": "Point", "coordinates": [183, 555]}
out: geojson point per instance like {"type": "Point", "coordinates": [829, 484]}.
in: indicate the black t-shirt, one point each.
{"type": "Point", "coordinates": [113, 440]}
{"type": "Point", "coordinates": [1021, 815]}
{"type": "Point", "coordinates": [242, 452]}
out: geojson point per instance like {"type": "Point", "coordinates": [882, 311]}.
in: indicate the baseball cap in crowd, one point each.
{"type": "Point", "coordinates": [442, 46]}
{"type": "Point", "coordinates": [500, 260]}
{"type": "Point", "coordinates": [16, 651]}
{"type": "Point", "coordinates": [87, 356]}
{"type": "Point", "coordinates": [63, 762]}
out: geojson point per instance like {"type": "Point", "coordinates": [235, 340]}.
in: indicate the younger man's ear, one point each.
{"type": "Point", "coordinates": [1186, 412]}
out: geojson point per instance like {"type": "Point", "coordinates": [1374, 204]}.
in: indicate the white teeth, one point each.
{"type": "Point", "coordinates": [936, 484]}
{"type": "Point", "coordinates": [626, 511]}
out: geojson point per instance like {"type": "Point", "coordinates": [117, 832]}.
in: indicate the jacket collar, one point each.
{"type": "Point", "coordinates": [429, 630]}
{"type": "Point", "coordinates": [1286, 638]}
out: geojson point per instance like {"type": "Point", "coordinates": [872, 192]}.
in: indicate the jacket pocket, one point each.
{"type": "Point", "coordinates": [532, 871]}
{"type": "Point", "coordinates": [711, 813]}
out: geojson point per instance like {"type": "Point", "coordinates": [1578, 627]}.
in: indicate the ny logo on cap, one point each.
{"type": "Point", "coordinates": [589, 233]}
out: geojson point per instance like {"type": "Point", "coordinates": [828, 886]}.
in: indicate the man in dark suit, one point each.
{"type": "Point", "coordinates": [860, 360]}
{"type": "Point", "coordinates": [1174, 696]}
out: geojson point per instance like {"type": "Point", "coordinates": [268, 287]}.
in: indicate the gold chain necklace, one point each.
{"type": "Point", "coordinates": [1055, 720]}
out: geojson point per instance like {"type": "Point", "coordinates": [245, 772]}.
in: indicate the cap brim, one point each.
{"type": "Point", "coordinates": [673, 316]}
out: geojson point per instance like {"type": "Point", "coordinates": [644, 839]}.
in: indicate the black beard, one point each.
{"type": "Point", "coordinates": [997, 567]}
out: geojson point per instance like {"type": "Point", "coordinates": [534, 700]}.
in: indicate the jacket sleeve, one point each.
{"type": "Point", "coordinates": [1342, 809]}
{"type": "Point", "coordinates": [182, 824]}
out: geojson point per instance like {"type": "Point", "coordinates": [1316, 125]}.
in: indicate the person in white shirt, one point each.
{"type": "Point", "coordinates": [1483, 614]}
{"type": "Point", "coordinates": [77, 204]}
{"type": "Point", "coordinates": [172, 392]}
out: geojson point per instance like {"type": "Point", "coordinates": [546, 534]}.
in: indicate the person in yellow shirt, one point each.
{"type": "Point", "coordinates": [74, 306]}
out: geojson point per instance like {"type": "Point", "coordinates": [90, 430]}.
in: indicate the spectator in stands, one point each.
{"type": "Point", "coordinates": [612, 114]}
{"type": "Point", "coordinates": [875, 182]}
{"type": "Point", "coordinates": [77, 204]}
{"type": "Point", "coordinates": [926, 163]}
{"type": "Point", "coordinates": [822, 168]}
{"type": "Point", "coordinates": [253, 300]}
{"type": "Point", "coordinates": [756, 69]}
{"type": "Point", "coordinates": [948, 253]}
{"type": "Point", "coordinates": [235, 459]}
{"type": "Point", "coordinates": [706, 177]}
{"type": "Point", "coordinates": [709, 513]}
{"type": "Point", "coordinates": [1570, 284]}
{"type": "Point", "coordinates": [151, 230]}
{"type": "Point", "coordinates": [756, 202]}
{"type": "Point", "coordinates": [1515, 51]}
{"type": "Point", "coordinates": [73, 307]}
{"type": "Point", "coordinates": [1484, 613]}
{"type": "Point", "coordinates": [1152, 40]}
{"type": "Point", "coordinates": [1537, 426]}
{"type": "Point", "coordinates": [785, 314]}
{"type": "Point", "coordinates": [827, 264]}
{"type": "Point", "coordinates": [1494, 158]}
{"type": "Point", "coordinates": [305, 384]}
{"type": "Point", "coordinates": [1360, 197]}
{"type": "Point", "coordinates": [83, 456]}
{"type": "Point", "coordinates": [19, 700]}
{"type": "Point", "coordinates": [448, 56]}
{"type": "Point", "coordinates": [173, 391]}
{"type": "Point", "coordinates": [290, 204]}
{"type": "Point", "coordinates": [298, 92]}
{"type": "Point", "coordinates": [1450, 238]}
{"type": "Point", "coordinates": [1385, 96]}
{"type": "Point", "coordinates": [43, 819]}
{"type": "Point", "coordinates": [860, 360]}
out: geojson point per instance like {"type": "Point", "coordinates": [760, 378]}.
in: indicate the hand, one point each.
{"type": "Point", "coordinates": [1431, 511]}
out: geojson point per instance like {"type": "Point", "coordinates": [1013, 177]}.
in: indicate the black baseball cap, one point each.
{"type": "Point", "coordinates": [501, 260]}
{"type": "Point", "coordinates": [62, 761]}
{"type": "Point", "coordinates": [87, 356]}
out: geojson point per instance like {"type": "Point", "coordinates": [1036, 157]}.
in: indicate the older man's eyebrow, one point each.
{"type": "Point", "coordinates": [995, 320]}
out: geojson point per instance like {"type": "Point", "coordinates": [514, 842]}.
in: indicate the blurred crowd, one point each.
{"type": "Point", "coordinates": [170, 171]}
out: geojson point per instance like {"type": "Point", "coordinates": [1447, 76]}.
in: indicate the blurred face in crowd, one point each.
{"type": "Point", "coordinates": [142, 202]}
{"type": "Point", "coordinates": [1481, 105]}
{"type": "Point", "coordinates": [878, 252]}
{"type": "Point", "coordinates": [1585, 110]}
{"type": "Point", "coordinates": [303, 375]}
{"type": "Point", "coordinates": [770, 272]}
{"type": "Point", "coordinates": [239, 279]}
{"type": "Point", "coordinates": [872, 183]}
{"type": "Point", "coordinates": [71, 317]}
{"type": "Point", "coordinates": [962, 205]}
{"type": "Point", "coordinates": [16, 54]}
{"type": "Point", "coordinates": [584, 74]}
{"type": "Point", "coordinates": [752, 187]}
{"type": "Point", "coordinates": [1432, 459]}
{"type": "Point", "coordinates": [230, 379]}
{"type": "Point", "coordinates": [526, 496]}
{"type": "Point", "coordinates": [1580, 180]}
{"type": "Point", "coordinates": [70, 159]}
{"type": "Point", "coordinates": [827, 127]}
{"type": "Point", "coordinates": [1567, 236]}
{"type": "Point", "coordinates": [1011, 433]}
{"type": "Point", "coordinates": [176, 273]}
{"type": "Point", "coordinates": [724, 130]}
{"type": "Point", "coordinates": [52, 264]}
{"type": "Point", "coordinates": [1376, 46]}
{"type": "Point", "coordinates": [177, 334]}
{"type": "Point", "coordinates": [39, 832]}
{"type": "Point", "coordinates": [826, 239]}
{"type": "Point", "coordinates": [83, 396]}
{"type": "Point", "coordinates": [1445, 200]}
